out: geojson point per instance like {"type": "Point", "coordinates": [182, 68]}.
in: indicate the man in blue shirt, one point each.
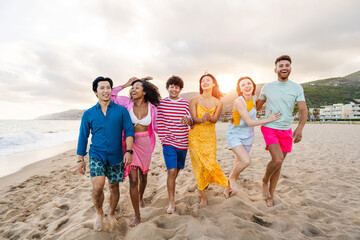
{"type": "Point", "coordinates": [280, 95]}
{"type": "Point", "coordinates": [106, 122]}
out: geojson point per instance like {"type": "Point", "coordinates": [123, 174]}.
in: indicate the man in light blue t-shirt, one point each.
{"type": "Point", "coordinates": [280, 95]}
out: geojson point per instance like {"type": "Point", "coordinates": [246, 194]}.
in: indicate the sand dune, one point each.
{"type": "Point", "coordinates": [318, 196]}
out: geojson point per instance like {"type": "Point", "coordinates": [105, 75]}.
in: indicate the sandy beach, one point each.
{"type": "Point", "coordinates": [318, 196]}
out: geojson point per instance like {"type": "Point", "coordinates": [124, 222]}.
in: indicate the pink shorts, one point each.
{"type": "Point", "coordinates": [276, 136]}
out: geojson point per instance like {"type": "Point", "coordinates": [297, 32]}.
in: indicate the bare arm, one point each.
{"type": "Point", "coordinates": [129, 82]}
{"type": "Point", "coordinates": [129, 145]}
{"type": "Point", "coordinates": [297, 135]}
{"type": "Point", "coordinates": [259, 104]}
{"type": "Point", "coordinates": [242, 109]}
{"type": "Point", "coordinates": [193, 103]}
{"type": "Point", "coordinates": [215, 118]}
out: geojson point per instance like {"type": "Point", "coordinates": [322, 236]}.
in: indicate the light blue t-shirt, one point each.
{"type": "Point", "coordinates": [281, 96]}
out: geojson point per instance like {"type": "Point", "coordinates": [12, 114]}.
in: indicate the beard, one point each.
{"type": "Point", "coordinates": [283, 76]}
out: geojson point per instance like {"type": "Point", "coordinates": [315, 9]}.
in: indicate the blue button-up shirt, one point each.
{"type": "Point", "coordinates": [106, 131]}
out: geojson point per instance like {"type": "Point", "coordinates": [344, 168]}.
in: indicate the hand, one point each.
{"type": "Point", "coordinates": [297, 135]}
{"type": "Point", "coordinates": [275, 116]}
{"type": "Point", "coordinates": [206, 117]}
{"type": "Point", "coordinates": [130, 81]}
{"type": "Point", "coordinates": [81, 167]}
{"type": "Point", "coordinates": [147, 78]}
{"type": "Point", "coordinates": [186, 121]}
{"type": "Point", "coordinates": [127, 159]}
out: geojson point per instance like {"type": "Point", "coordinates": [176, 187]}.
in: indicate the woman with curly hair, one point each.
{"type": "Point", "coordinates": [144, 97]}
{"type": "Point", "coordinates": [205, 111]}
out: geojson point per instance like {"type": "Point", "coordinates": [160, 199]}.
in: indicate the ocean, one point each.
{"type": "Point", "coordinates": [21, 136]}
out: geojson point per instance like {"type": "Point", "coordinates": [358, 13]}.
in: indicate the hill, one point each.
{"type": "Point", "coordinates": [73, 114]}
{"type": "Point", "coordinates": [332, 90]}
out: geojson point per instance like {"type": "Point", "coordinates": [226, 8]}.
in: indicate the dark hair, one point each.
{"type": "Point", "coordinates": [283, 57]}
{"type": "Point", "coordinates": [100, 79]}
{"type": "Point", "coordinates": [216, 91]}
{"type": "Point", "coordinates": [152, 94]}
{"type": "Point", "coordinates": [175, 80]}
{"type": "Point", "coordinates": [238, 87]}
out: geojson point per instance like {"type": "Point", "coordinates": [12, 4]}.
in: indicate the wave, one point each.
{"type": "Point", "coordinates": [31, 140]}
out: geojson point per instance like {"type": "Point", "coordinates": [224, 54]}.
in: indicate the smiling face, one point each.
{"type": "Point", "coordinates": [174, 91]}
{"type": "Point", "coordinates": [207, 83]}
{"type": "Point", "coordinates": [283, 70]}
{"type": "Point", "coordinates": [103, 91]}
{"type": "Point", "coordinates": [246, 87]}
{"type": "Point", "coordinates": [136, 91]}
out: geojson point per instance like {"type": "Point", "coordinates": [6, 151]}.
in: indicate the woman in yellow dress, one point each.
{"type": "Point", "coordinates": [205, 111]}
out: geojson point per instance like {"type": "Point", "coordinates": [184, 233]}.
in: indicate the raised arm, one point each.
{"type": "Point", "coordinates": [242, 109]}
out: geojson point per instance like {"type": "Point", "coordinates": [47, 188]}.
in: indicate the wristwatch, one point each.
{"type": "Point", "coordinates": [130, 151]}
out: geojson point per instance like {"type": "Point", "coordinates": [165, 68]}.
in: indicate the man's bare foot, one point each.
{"type": "Point", "coordinates": [142, 203]}
{"type": "Point", "coordinates": [135, 222]}
{"type": "Point", "coordinates": [203, 202]}
{"type": "Point", "coordinates": [98, 225]}
{"type": "Point", "coordinates": [269, 202]}
{"type": "Point", "coordinates": [233, 186]}
{"type": "Point", "coordinates": [171, 208]}
{"type": "Point", "coordinates": [265, 190]}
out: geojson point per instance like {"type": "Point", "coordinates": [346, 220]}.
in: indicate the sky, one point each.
{"type": "Point", "coordinates": [51, 51]}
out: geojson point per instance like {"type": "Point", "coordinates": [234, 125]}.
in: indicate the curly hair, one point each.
{"type": "Point", "coordinates": [152, 94]}
{"type": "Point", "coordinates": [175, 80]}
{"type": "Point", "coordinates": [238, 87]}
{"type": "Point", "coordinates": [216, 90]}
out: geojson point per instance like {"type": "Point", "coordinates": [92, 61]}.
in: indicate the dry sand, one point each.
{"type": "Point", "coordinates": [318, 196]}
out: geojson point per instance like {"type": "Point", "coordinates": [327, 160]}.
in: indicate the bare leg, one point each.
{"type": "Point", "coordinates": [114, 199]}
{"type": "Point", "coordinates": [171, 179]}
{"type": "Point", "coordinates": [203, 200]}
{"type": "Point", "coordinates": [143, 182]}
{"type": "Point", "coordinates": [272, 173]}
{"type": "Point", "coordinates": [134, 195]}
{"type": "Point", "coordinates": [98, 199]}
{"type": "Point", "coordinates": [242, 161]}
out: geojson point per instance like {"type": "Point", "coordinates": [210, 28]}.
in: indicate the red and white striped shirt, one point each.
{"type": "Point", "coordinates": [170, 130]}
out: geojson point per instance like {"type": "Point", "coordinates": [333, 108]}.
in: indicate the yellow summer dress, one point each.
{"type": "Point", "coordinates": [202, 147]}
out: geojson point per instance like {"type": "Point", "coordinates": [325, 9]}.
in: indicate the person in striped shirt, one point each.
{"type": "Point", "coordinates": [173, 122]}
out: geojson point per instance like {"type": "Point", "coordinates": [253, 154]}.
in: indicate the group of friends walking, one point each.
{"type": "Point", "coordinates": [123, 135]}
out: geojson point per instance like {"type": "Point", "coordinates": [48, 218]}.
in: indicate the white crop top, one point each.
{"type": "Point", "coordinates": [146, 121]}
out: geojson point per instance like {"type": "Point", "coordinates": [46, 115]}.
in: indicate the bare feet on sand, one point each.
{"type": "Point", "coordinates": [135, 222]}
{"type": "Point", "coordinates": [227, 192]}
{"type": "Point", "coordinates": [203, 202]}
{"type": "Point", "coordinates": [265, 190]}
{"type": "Point", "coordinates": [233, 186]}
{"type": "Point", "coordinates": [112, 219]}
{"type": "Point", "coordinates": [171, 208]}
{"type": "Point", "coordinates": [142, 203]}
{"type": "Point", "coordinates": [269, 202]}
{"type": "Point", "coordinates": [98, 225]}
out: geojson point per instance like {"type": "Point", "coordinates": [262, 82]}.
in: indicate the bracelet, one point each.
{"type": "Point", "coordinates": [82, 160]}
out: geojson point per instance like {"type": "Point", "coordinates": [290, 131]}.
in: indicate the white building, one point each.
{"type": "Point", "coordinates": [340, 111]}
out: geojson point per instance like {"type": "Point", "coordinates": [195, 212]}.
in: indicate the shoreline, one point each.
{"type": "Point", "coordinates": [317, 196]}
{"type": "Point", "coordinates": [39, 158]}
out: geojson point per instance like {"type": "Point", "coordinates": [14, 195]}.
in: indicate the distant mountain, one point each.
{"type": "Point", "coordinates": [73, 114]}
{"type": "Point", "coordinates": [317, 93]}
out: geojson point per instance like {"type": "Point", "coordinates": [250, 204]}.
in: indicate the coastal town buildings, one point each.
{"type": "Point", "coordinates": [340, 111]}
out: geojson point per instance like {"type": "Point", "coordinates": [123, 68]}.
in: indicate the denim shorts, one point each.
{"type": "Point", "coordinates": [114, 173]}
{"type": "Point", "coordinates": [174, 158]}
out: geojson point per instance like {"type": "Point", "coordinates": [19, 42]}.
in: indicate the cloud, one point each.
{"type": "Point", "coordinates": [52, 51]}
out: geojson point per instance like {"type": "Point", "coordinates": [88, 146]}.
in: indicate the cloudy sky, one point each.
{"type": "Point", "coordinates": [51, 51]}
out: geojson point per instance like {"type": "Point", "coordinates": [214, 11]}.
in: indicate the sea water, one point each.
{"type": "Point", "coordinates": [21, 136]}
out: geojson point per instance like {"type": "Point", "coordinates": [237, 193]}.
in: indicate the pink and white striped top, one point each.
{"type": "Point", "coordinates": [170, 130]}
